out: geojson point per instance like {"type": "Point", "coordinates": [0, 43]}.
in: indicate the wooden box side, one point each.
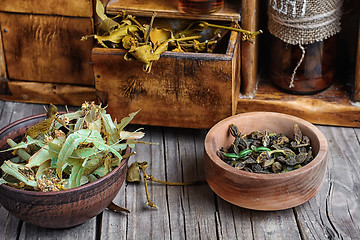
{"type": "Point", "coordinates": [78, 8]}
{"type": "Point", "coordinates": [47, 48]}
{"type": "Point", "coordinates": [182, 90]}
{"type": "Point", "coordinates": [3, 74]}
{"type": "Point", "coordinates": [357, 70]}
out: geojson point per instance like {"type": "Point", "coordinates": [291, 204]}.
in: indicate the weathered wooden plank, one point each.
{"type": "Point", "coordinates": [164, 8]}
{"type": "Point", "coordinates": [86, 230]}
{"type": "Point", "coordinates": [275, 225]}
{"type": "Point", "coordinates": [8, 225]}
{"type": "Point", "coordinates": [196, 201]}
{"type": "Point", "coordinates": [79, 8]}
{"type": "Point", "coordinates": [62, 94]}
{"type": "Point", "coordinates": [234, 222]}
{"type": "Point", "coordinates": [334, 213]}
{"type": "Point", "coordinates": [47, 48]}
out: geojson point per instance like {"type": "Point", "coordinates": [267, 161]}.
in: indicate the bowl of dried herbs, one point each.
{"type": "Point", "coordinates": [59, 170]}
{"type": "Point", "coordinates": [265, 160]}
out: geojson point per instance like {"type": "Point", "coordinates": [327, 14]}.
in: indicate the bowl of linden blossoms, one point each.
{"type": "Point", "coordinates": [60, 169]}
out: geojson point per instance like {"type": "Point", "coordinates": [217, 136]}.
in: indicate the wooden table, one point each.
{"type": "Point", "coordinates": [195, 212]}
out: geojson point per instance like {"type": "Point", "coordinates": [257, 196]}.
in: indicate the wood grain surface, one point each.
{"type": "Point", "coordinates": [79, 8]}
{"type": "Point", "coordinates": [195, 212]}
{"type": "Point", "coordinates": [43, 48]}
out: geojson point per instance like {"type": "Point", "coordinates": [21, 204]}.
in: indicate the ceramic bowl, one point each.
{"type": "Point", "coordinates": [60, 209]}
{"type": "Point", "coordinates": [259, 191]}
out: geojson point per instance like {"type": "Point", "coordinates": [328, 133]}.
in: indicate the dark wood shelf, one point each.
{"type": "Point", "coordinates": [330, 107]}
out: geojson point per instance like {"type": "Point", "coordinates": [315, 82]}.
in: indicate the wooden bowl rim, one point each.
{"type": "Point", "coordinates": [67, 191]}
{"type": "Point", "coordinates": [321, 155]}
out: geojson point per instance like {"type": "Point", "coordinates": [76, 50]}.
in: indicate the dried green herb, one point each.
{"type": "Point", "coordinates": [264, 152]}
{"type": "Point", "coordinates": [73, 149]}
{"type": "Point", "coordinates": [146, 42]}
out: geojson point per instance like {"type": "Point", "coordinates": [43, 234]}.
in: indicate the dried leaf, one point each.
{"type": "Point", "coordinates": [100, 10]}
{"type": "Point", "coordinates": [75, 176]}
{"type": "Point", "coordinates": [43, 169]}
{"type": "Point", "coordinates": [16, 170]}
{"type": "Point", "coordinates": [115, 208]}
{"type": "Point", "coordinates": [133, 173]}
{"type": "Point", "coordinates": [39, 157]}
{"type": "Point", "coordinates": [144, 53]}
{"type": "Point", "coordinates": [160, 35]}
{"type": "Point", "coordinates": [126, 120]}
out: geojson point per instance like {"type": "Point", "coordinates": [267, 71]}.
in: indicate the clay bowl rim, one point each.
{"type": "Point", "coordinates": [320, 156]}
{"type": "Point", "coordinates": [67, 191]}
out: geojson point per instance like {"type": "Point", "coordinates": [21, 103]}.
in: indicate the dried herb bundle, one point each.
{"type": "Point", "coordinates": [69, 150]}
{"type": "Point", "coordinates": [145, 42]}
{"type": "Point", "coordinates": [264, 152]}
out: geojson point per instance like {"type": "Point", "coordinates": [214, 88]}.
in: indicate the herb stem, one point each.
{"type": "Point", "coordinates": [143, 166]}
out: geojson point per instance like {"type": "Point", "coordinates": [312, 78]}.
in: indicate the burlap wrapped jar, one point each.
{"type": "Point", "coordinates": [301, 61]}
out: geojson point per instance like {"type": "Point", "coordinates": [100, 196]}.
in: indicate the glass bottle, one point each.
{"type": "Point", "coordinates": [314, 73]}
{"type": "Point", "coordinates": [200, 6]}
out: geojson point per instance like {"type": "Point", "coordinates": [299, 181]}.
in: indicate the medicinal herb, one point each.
{"type": "Point", "coordinates": [69, 150]}
{"type": "Point", "coordinates": [134, 175]}
{"type": "Point", "coordinates": [146, 42]}
{"type": "Point", "coordinates": [265, 152]}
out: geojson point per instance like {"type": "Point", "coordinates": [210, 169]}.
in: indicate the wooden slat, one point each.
{"type": "Point", "coordinates": [7, 224]}
{"type": "Point", "coordinates": [195, 204]}
{"type": "Point", "coordinates": [182, 89]}
{"type": "Point", "coordinates": [47, 48]}
{"type": "Point", "coordinates": [169, 9]}
{"type": "Point", "coordinates": [78, 8]}
{"type": "Point", "coordinates": [334, 213]}
{"type": "Point", "coordinates": [249, 21]}
{"type": "Point", "coordinates": [330, 107]}
{"type": "Point", "coordinates": [85, 231]}
{"type": "Point", "coordinates": [357, 71]}
{"type": "Point", "coordinates": [35, 92]}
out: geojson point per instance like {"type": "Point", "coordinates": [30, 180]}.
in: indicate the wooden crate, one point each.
{"type": "Point", "coordinates": [41, 53]}
{"type": "Point", "coordinates": [193, 90]}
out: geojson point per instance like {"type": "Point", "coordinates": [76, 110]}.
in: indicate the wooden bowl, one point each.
{"type": "Point", "coordinates": [264, 191]}
{"type": "Point", "coordinates": [60, 209]}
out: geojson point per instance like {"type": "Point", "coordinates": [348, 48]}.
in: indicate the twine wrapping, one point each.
{"type": "Point", "coordinates": [302, 22]}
